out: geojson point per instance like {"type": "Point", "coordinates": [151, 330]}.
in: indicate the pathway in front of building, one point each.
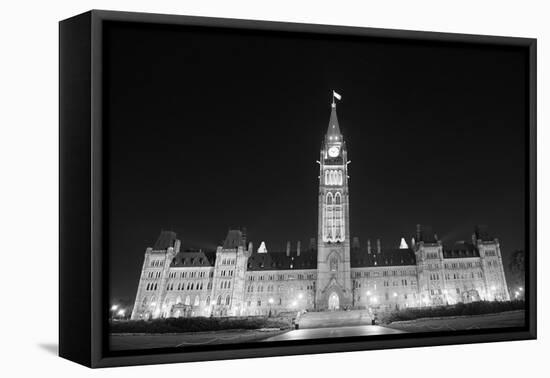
{"type": "Point", "coordinates": [321, 333]}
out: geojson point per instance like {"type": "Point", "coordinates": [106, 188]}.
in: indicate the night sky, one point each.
{"type": "Point", "coordinates": [208, 129]}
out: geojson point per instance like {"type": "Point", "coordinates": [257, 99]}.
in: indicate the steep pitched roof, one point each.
{"type": "Point", "coordinates": [460, 250]}
{"type": "Point", "coordinates": [234, 239]}
{"type": "Point", "coordinates": [165, 240]}
{"type": "Point", "coordinates": [280, 261]}
{"type": "Point", "coordinates": [194, 259]}
{"type": "Point", "coordinates": [360, 258]}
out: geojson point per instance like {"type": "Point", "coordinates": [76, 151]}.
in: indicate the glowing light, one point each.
{"type": "Point", "coordinates": [520, 288]}
{"type": "Point", "coordinates": [121, 312]}
{"type": "Point", "coordinates": [294, 303]}
{"type": "Point", "coordinates": [153, 304]}
{"type": "Point", "coordinates": [270, 301]}
{"type": "Point", "coordinates": [300, 296]}
{"type": "Point", "coordinates": [114, 307]}
{"type": "Point", "coordinates": [395, 294]}
{"type": "Point", "coordinates": [374, 300]}
{"type": "Point", "coordinates": [368, 293]}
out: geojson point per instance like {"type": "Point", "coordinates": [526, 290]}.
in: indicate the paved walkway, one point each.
{"type": "Point", "coordinates": [321, 333]}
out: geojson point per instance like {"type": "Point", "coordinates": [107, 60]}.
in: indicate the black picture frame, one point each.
{"type": "Point", "coordinates": [82, 288]}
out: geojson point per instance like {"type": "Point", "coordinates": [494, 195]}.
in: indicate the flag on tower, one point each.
{"type": "Point", "coordinates": [334, 94]}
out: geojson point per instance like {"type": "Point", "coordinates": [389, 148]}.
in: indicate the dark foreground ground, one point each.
{"type": "Point", "coordinates": [454, 323]}
{"type": "Point", "coordinates": [150, 341]}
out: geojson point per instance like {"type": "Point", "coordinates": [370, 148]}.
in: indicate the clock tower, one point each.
{"type": "Point", "coordinates": [334, 291]}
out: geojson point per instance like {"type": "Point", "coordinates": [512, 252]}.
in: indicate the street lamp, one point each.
{"type": "Point", "coordinates": [493, 289]}
{"type": "Point", "coordinates": [270, 301]}
{"type": "Point", "coordinates": [113, 311]}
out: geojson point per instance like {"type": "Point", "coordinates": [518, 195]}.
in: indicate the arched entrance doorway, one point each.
{"type": "Point", "coordinates": [333, 302]}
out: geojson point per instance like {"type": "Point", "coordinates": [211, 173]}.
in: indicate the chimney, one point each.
{"type": "Point", "coordinates": [418, 232]}
{"type": "Point", "coordinates": [298, 246]}
{"type": "Point", "coordinates": [288, 248]}
{"type": "Point", "coordinates": [378, 249]}
{"type": "Point", "coordinates": [250, 247]}
{"type": "Point", "coordinates": [368, 247]}
{"type": "Point", "coordinates": [312, 244]}
{"type": "Point", "coordinates": [355, 243]}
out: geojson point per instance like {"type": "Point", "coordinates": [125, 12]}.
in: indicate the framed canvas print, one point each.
{"type": "Point", "coordinates": [234, 188]}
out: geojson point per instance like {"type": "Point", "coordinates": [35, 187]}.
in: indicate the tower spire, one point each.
{"type": "Point", "coordinates": [333, 131]}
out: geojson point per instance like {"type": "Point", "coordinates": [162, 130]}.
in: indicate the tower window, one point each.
{"type": "Point", "coordinates": [333, 264]}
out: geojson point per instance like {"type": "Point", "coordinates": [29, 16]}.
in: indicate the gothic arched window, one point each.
{"type": "Point", "coordinates": [187, 300]}
{"type": "Point", "coordinates": [197, 300]}
{"type": "Point", "coordinates": [219, 300]}
{"type": "Point", "coordinates": [333, 264]}
{"type": "Point", "coordinates": [227, 300]}
{"type": "Point", "coordinates": [329, 198]}
{"type": "Point", "coordinates": [338, 198]}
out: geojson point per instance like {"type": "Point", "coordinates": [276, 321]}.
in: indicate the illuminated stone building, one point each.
{"type": "Point", "coordinates": [333, 272]}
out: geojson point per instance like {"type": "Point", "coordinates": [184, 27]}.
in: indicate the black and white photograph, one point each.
{"type": "Point", "coordinates": [289, 188]}
{"type": "Point", "coordinates": [268, 186]}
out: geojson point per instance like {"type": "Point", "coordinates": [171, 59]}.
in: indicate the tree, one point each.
{"type": "Point", "coordinates": [516, 270]}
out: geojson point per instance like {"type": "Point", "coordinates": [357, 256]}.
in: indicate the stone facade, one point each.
{"type": "Point", "coordinates": [332, 273]}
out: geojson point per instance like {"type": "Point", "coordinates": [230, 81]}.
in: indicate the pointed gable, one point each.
{"type": "Point", "coordinates": [262, 248]}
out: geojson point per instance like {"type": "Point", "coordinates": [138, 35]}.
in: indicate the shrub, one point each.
{"type": "Point", "coordinates": [460, 309]}
{"type": "Point", "coordinates": [198, 324]}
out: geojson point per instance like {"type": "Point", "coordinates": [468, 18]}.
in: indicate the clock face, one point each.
{"type": "Point", "coordinates": [333, 151]}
